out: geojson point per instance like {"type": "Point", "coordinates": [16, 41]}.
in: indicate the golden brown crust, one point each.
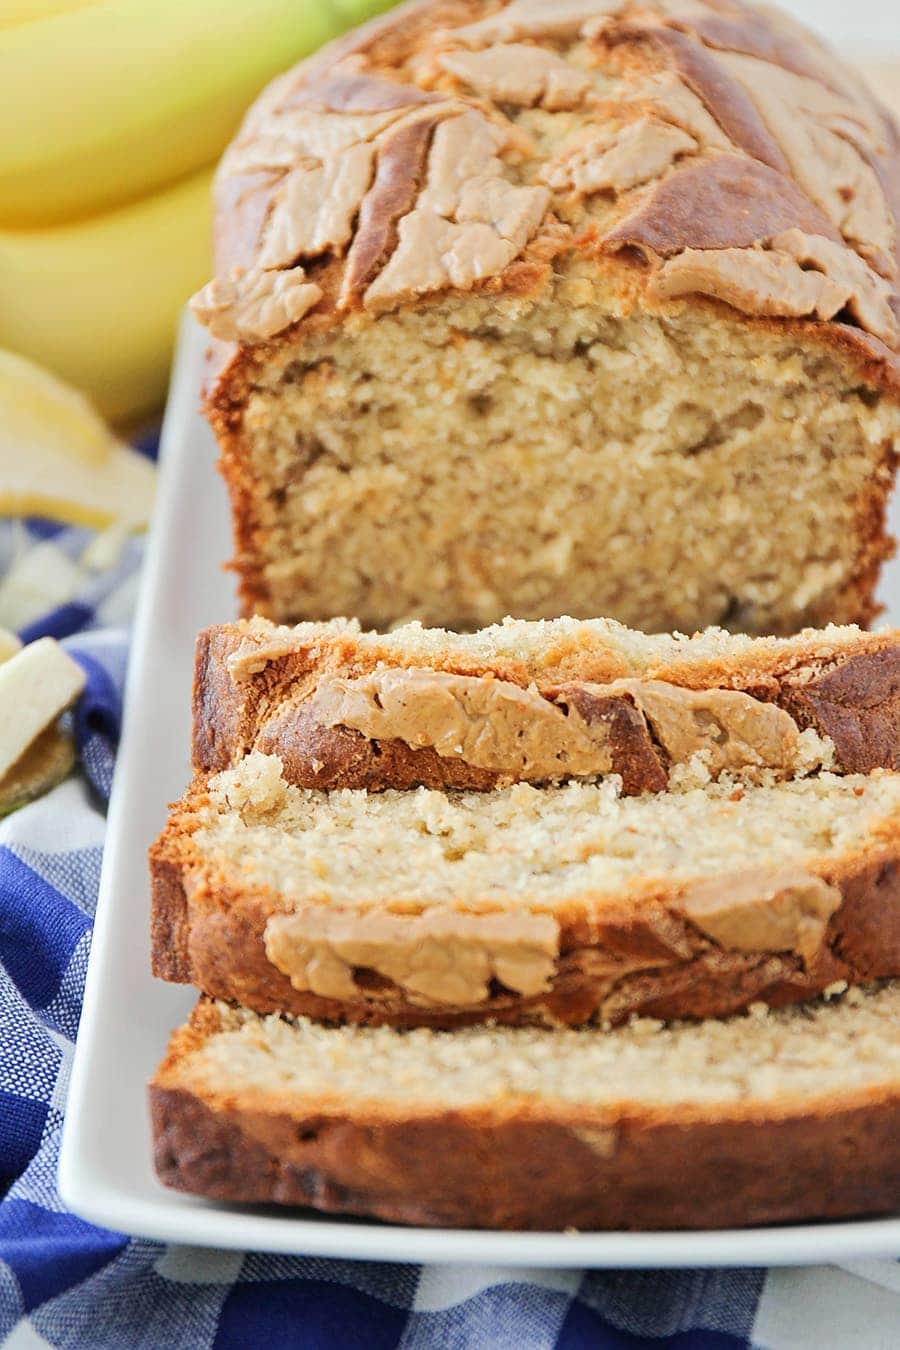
{"type": "Point", "coordinates": [724, 97]}
{"type": "Point", "coordinates": [857, 703]}
{"type": "Point", "coordinates": [329, 757]}
{"type": "Point", "coordinates": [721, 202]}
{"type": "Point", "coordinates": [545, 1168]}
{"type": "Point", "coordinates": [398, 177]}
{"type": "Point", "coordinates": [169, 921]}
{"type": "Point", "coordinates": [650, 960]}
{"type": "Point", "coordinates": [797, 144]}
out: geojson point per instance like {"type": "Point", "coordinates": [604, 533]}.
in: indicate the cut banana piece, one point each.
{"type": "Point", "coordinates": [45, 763]}
{"type": "Point", "coordinates": [37, 408]}
{"type": "Point", "coordinates": [40, 579]}
{"type": "Point", "coordinates": [59, 458]}
{"type": "Point", "coordinates": [49, 484]}
{"type": "Point", "coordinates": [36, 686]}
{"type": "Point", "coordinates": [9, 644]}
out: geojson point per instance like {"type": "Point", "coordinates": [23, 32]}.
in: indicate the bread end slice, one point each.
{"type": "Point", "coordinates": [761, 1119]}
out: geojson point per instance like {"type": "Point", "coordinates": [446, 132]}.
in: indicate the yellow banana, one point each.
{"type": "Point", "coordinates": [97, 301]}
{"type": "Point", "coordinates": [112, 100]}
{"type": "Point", "coordinates": [37, 408]}
{"type": "Point", "coordinates": [26, 11]}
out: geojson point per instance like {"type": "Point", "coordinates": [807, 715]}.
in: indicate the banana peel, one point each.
{"type": "Point", "coordinates": [38, 409]}
{"type": "Point", "coordinates": [49, 484]}
{"type": "Point", "coordinates": [117, 107]}
{"type": "Point", "coordinates": [9, 644]}
{"type": "Point", "coordinates": [46, 762]}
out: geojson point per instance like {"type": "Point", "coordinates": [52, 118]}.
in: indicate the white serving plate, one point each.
{"type": "Point", "coordinates": [105, 1172]}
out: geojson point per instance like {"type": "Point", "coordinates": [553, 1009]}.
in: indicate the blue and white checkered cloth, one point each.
{"type": "Point", "coordinates": [66, 1283]}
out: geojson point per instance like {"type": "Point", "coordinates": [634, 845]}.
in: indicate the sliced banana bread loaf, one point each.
{"type": "Point", "coordinates": [536, 307]}
{"type": "Point", "coordinates": [564, 903]}
{"type": "Point", "coordinates": [764, 1118]}
{"type": "Point", "coordinates": [543, 702]}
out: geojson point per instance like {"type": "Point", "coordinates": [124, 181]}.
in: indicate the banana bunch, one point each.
{"type": "Point", "coordinates": [117, 111]}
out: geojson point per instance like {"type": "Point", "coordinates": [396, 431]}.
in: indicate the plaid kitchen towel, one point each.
{"type": "Point", "coordinates": [66, 1283]}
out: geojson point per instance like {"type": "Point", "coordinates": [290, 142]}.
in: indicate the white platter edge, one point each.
{"type": "Point", "coordinates": [105, 1174]}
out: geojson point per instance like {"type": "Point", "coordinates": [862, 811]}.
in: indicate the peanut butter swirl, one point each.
{"type": "Point", "coordinates": [720, 144]}
{"type": "Point", "coordinates": [524, 735]}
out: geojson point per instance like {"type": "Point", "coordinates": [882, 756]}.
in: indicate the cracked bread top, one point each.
{"type": "Point", "coordinates": [676, 147]}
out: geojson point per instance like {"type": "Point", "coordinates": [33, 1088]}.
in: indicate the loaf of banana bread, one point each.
{"type": "Point", "coordinates": [560, 306]}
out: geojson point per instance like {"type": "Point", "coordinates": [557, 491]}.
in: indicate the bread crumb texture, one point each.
{"type": "Point", "coordinates": [537, 847]}
{"type": "Point", "coordinates": [540, 455]}
{"type": "Point", "coordinates": [765, 1061]}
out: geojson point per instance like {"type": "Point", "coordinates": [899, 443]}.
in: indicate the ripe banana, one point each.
{"type": "Point", "coordinates": [97, 302]}
{"type": "Point", "coordinates": [26, 11]}
{"type": "Point", "coordinates": [59, 458]}
{"type": "Point", "coordinates": [108, 101]}
{"type": "Point", "coordinates": [36, 685]}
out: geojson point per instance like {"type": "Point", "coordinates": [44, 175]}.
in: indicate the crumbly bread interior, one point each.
{"type": "Point", "coordinates": [761, 1061]}
{"type": "Point", "coordinates": [538, 643]}
{"type": "Point", "coordinates": [491, 455]}
{"type": "Point", "coordinates": [542, 846]}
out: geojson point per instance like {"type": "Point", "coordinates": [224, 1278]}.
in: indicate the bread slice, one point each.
{"type": "Point", "coordinates": [564, 903]}
{"type": "Point", "coordinates": [765, 1118]}
{"type": "Point", "coordinates": [543, 702]}
{"type": "Point", "coordinates": [548, 307]}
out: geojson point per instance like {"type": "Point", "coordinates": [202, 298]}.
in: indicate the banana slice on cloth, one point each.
{"type": "Point", "coordinates": [37, 685]}
{"type": "Point", "coordinates": [9, 644]}
{"type": "Point", "coordinates": [58, 457]}
{"type": "Point", "coordinates": [44, 764]}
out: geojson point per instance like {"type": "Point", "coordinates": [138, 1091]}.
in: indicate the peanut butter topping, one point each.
{"type": "Point", "coordinates": [438, 957]}
{"type": "Point", "coordinates": [315, 208]}
{"type": "Point", "coordinates": [521, 734]}
{"type": "Point", "coordinates": [513, 73]}
{"type": "Point", "coordinates": [668, 98]}
{"type": "Point", "coordinates": [732, 730]}
{"type": "Point", "coordinates": [301, 138]}
{"type": "Point", "coordinates": [253, 306]}
{"type": "Point", "coordinates": [865, 294]}
{"type": "Point", "coordinates": [801, 274]}
{"type": "Point", "coordinates": [763, 910]}
{"type": "Point", "coordinates": [622, 158]}
{"type": "Point", "coordinates": [468, 223]}
{"type": "Point", "coordinates": [825, 138]}
{"type": "Point", "coordinates": [490, 723]}
{"type": "Point", "coordinates": [536, 19]}
{"type": "Point", "coordinates": [756, 282]}
{"type": "Point", "coordinates": [429, 158]}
